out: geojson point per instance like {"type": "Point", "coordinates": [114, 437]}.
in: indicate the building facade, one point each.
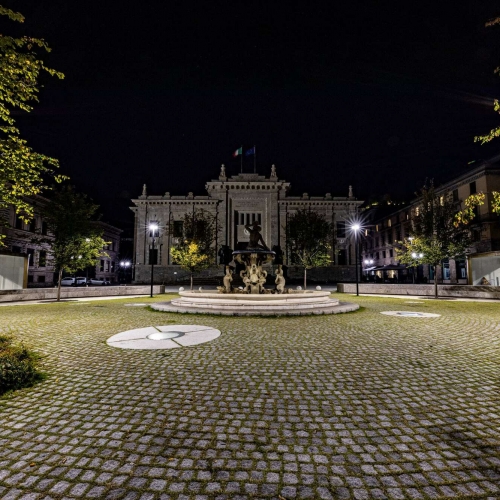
{"type": "Point", "coordinates": [482, 261]}
{"type": "Point", "coordinates": [235, 201]}
{"type": "Point", "coordinates": [24, 238]}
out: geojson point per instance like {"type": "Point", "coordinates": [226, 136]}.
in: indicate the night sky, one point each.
{"type": "Point", "coordinates": [376, 94]}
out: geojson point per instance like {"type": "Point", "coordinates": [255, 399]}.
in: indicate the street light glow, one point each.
{"type": "Point", "coordinates": [153, 226]}
{"type": "Point", "coordinates": [414, 255]}
{"type": "Point", "coordinates": [356, 227]}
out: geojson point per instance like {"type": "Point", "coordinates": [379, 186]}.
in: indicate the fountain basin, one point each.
{"type": "Point", "coordinates": [287, 304]}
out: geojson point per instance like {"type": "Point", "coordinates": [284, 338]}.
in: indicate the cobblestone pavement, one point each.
{"type": "Point", "coordinates": [359, 405]}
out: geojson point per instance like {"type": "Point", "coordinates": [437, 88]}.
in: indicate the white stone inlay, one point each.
{"type": "Point", "coordinates": [152, 337]}
{"type": "Point", "coordinates": [410, 314]}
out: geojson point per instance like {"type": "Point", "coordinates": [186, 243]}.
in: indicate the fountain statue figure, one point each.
{"type": "Point", "coordinates": [255, 236]}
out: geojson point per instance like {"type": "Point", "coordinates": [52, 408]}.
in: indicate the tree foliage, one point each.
{"type": "Point", "coordinates": [199, 227]}
{"type": "Point", "coordinates": [308, 235]}
{"type": "Point", "coordinates": [77, 241]}
{"type": "Point", "coordinates": [191, 258]}
{"type": "Point", "coordinates": [495, 202]}
{"type": "Point", "coordinates": [439, 229]}
{"type": "Point", "coordinates": [23, 172]}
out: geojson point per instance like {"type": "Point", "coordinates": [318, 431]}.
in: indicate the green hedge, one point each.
{"type": "Point", "coordinates": [18, 366]}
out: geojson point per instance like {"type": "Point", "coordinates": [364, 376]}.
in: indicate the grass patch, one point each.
{"type": "Point", "coordinates": [18, 366]}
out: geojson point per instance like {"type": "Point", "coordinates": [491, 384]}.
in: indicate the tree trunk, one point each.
{"type": "Point", "coordinates": [191, 281]}
{"type": "Point", "coordinates": [305, 278]}
{"type": "Point", "coordinates": [59, 286]}
{"type": "Point", "coordinates": [435, 282]}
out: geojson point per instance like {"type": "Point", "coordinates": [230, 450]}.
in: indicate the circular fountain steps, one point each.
{"type": "Point", "coordinates": [293, 304]}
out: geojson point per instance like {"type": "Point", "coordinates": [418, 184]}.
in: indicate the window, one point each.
{"type": "Point", "coordinates": [376, 228]}
{"type": "Point", "coordinates": [383, 254]}
{"type": "Point", "coordinates": [19, 222]}
{"type": "Point", "coordinates": [113, 266]}
{"type": "Point", "coordinates": [391, 253]}
{"type": "Point", "coordinates": [461, 269]}
{"type": "Point", "coordinates": [32, 226]}
{"type": "Point", "coordinates": [44, 228]}
{"type": "Point", "coordinates": [30, 278]}
{"type": "Point", "coordinates": [153, 256]}
{"type": "Point", "coordinates": [101, 266]}
{"type": "Point", "coordinates": [389, 223]}
{"type": "Point", "coordinates": [472, 188]}
{"type": "Point", "coordinates": [42, 259]}
{"type": "Point", "coordinates": [398, 234]}
{"type": "Point", "coordinates": [107, 266]}
{"type": "Point", "coordinates": [178, 226]}
{"type": "Point", "coordinates": [446, 269]}
{"type": "Point", "coordinates": [41, 278]}
{"type": "Point", "coordinates": [340, 229]}
{"type": "Point", "coordinates": [455, 195]}
{"type": "Point", "coordinates": [377, 255]}
{"type": "Point", "coordinates": [342, 259]}
{"type": "Point", "coordinates": [16, 249]}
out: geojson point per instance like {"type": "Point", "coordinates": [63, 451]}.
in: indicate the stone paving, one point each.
{"type": "Point", "coordinates": [359, 405]}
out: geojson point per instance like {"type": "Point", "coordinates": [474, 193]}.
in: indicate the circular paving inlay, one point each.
{"type": "Point", "coordinates": [163, 337]}
{"type": "Point", "coordinates": [410, 314]}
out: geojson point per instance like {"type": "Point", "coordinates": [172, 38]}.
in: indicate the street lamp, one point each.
{"type": "Point", "coordinates": [125, 264]}
{"type": "Point", "coordinates": [154, 232]}
{"type": "Point", "coordinates": [356, 228]}
{"type": "Point", "coordinates": [415, 256]}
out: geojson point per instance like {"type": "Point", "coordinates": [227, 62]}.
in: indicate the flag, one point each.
{"type": "Point", "coordinates": [250, 151]}
{"type": "Point", "coordinates": [238, 152]}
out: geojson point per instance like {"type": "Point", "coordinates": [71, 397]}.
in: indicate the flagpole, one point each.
{"type": "Point", "coordinates": [254, 159]}
{"type": "Point", "coordinates": [241, 158]}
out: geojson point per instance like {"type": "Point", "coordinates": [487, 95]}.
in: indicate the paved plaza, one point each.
{"type": "Point", "coordinates": [360, 405]}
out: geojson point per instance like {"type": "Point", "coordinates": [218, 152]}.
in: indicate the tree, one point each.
{"type": "Point", "coordinates": [438, 230]}
{"type": "Point", "coordinates": [308, 234]}
{"type": "Point", "coordinates": [191, 258]}
{"type": "Point", "coordinates": [23, 172]}
{"type": "Point", "coordinates": [199, 232]}
{"type": "Point", "coordinates": [77, 241]}
{"type": "Point", "coordinates": [199, 227]}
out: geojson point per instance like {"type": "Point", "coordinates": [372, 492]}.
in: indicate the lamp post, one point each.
{"type": "Point", "coordinates": [153, 233]}
{"type": "Point", "coordinates": [368, 262]}
{"type": "Point", "coordinates": [416, 256]}
{"type": "Point", "coordinates": [356, 228]}
{"type": "Point", "coordinates": [125, 264]}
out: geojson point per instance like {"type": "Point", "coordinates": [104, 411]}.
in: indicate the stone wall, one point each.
{"type": "Point", "coordinates": [479, 292]}
{"type": "Point", "coordinates": [165, 274]}
{"type": "Point", "coordinates": [74, 292]}
{"type": "Point", "coordinates": [333, 274]}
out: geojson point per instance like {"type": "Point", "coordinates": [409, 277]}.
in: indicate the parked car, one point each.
{"type": "Point", "coordinates": [68, 281]}
{"type": "Point", "coordinates": [78, 281]}
{"type": "Point", "coordinates": [98, 281]}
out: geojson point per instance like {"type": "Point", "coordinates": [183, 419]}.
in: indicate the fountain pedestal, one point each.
{"type": "Point", "coordinates": [253, 276]}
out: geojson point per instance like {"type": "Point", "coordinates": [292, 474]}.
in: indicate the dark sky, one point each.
{"type": "Point", "coordinates": [375, 94]}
